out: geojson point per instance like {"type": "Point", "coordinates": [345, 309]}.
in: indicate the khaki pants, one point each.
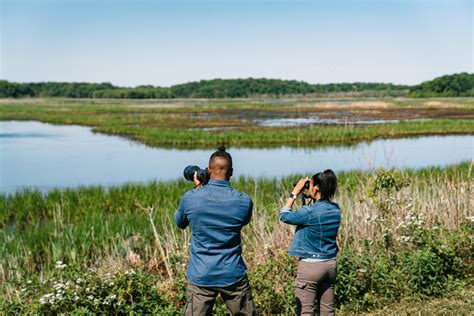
{"type": "Point", "coordinates": [315, 285]}
{"type": "Point", "coordinates": [237, 297]}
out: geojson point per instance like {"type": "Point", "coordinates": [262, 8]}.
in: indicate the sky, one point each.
{"type": "Point", "coordinates": [161, 43]}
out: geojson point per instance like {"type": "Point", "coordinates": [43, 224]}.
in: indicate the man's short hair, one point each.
{"type": "Point", "coordinates": [221, 153]}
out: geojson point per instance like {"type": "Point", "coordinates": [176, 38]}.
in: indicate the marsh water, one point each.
{"type": "Point", "coordinates": [44, 156]}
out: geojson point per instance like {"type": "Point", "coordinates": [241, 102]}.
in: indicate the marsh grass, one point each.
{"type": "Point", "coordinates": [206, 124]}
{"type": "Point", "coordinates": [132, 225]}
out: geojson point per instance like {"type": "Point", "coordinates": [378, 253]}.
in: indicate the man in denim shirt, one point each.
{"type": "Point", "coordinates": [217, 213]}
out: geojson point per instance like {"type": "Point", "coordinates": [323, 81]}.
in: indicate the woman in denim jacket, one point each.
{"type": "Point", "coordinates": [315, 243]}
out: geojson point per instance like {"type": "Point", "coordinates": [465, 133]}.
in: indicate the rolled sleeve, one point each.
{"type": "Point", "coordinates": [285, 209]}
{"type": "Point", "coordinates": [298, 217]}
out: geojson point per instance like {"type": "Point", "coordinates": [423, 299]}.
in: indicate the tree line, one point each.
{"type": "Point", "coordinates": [452, 85]}
{"type": "Point", "coordinates": [457, 85]}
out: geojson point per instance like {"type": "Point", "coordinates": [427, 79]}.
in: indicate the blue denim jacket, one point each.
{"type": "Point", "coordinates": [316, 229]}
{"type": "Point", "coordinates": [216, 213]}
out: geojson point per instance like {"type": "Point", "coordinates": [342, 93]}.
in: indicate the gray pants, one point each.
{"type": "Point", "coordinates": [315, 285]}
{"type": "Point", "coordinates": [237, 297]}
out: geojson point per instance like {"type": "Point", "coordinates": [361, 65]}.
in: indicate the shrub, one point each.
{"type": "Point", "coordinates": [72, 290]}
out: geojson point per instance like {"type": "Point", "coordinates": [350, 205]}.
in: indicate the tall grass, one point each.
{"type": "Point", "coordinates": [82, 225]}
{"type": "Point", "coordinates": [132, 225]}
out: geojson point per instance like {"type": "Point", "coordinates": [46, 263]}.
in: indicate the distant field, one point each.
{"type": "Point", "coordinates": [252, 122]}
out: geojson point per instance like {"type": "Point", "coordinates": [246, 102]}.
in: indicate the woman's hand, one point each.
{"type": "Point", "coordinates": [300, 185]}
{"type": "Point", "coordinates": [296, 190]}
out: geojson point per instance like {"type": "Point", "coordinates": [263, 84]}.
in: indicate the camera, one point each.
{"type": "Point", "coordinates": [202, 174]}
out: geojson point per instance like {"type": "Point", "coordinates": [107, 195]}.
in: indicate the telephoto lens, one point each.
{"type": "Point", "coordinates": [188, 172]}
{"type": "Point", "coordinates": [202, 174]}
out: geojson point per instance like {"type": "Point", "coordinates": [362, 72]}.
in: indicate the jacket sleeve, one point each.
{"type": "Point", "coordinates": [299, 217]}
{"type": "Point", "coordinates": [180, 215]}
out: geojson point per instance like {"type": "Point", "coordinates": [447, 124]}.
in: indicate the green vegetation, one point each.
{"type": "Point", "coordinates": [244, 88]}
{"type": "Point", "coordinates": [456, 85]}
{"type": "Point", "coordinates": [217, 88]}
{"type": "Point", "coordinates": [458, 302]}
{"type": "Point", "coordinates": [234, 123]}
{"type": "Point", "coordinates": [405, 236]}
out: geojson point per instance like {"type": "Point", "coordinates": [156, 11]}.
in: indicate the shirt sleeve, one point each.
{"type": "Point", "coordinates": [180, 215]}
{"type": "Point", "coordinates": [249, 213]}
{"type": "Point", "coordinates": [288, 216]}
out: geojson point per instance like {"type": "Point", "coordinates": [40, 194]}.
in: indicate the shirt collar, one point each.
{"type": "Point", "coordinates": [219, 183]}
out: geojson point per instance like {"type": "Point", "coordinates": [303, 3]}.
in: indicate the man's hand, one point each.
{"type": "Point", "coordinates": [197, 183]}
{"type": "Point", "coordinates": [300, 185]}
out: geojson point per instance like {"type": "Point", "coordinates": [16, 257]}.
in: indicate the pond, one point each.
{"type": "Point", "coordinates": [45, 156]}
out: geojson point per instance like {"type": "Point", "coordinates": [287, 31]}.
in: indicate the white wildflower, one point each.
{"type": "Point", "coordinates": [79, 281]}
{"type": "Point", "coordinates": [90, 297]}
{"type": "Point", "coordinates": [60, 265]}
{"type": "Point", "coordinates": [406, 238]}
{"type": "Point", "coordinates": [418, 222]}
{"type": "Point", "coordinates": [58, 286]}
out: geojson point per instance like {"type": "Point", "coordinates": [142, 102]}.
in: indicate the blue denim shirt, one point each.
{"type": "Point", "coordinates": [316, 229]}
{"type": "Point", "coordinates": [216, 213]}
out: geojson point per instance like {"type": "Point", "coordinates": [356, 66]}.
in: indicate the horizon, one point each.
{"type": "Point", "coordinates": [164, 43]}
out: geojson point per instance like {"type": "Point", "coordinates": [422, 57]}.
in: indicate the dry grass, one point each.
{"type": "Point", "coordinates": [445, 201]}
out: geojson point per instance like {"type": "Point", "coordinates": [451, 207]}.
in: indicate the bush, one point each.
{"type": "Point", "coordinates": [75, 291]}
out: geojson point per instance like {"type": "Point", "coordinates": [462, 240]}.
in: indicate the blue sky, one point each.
{"type": "Point", "coordinates": [134, 42]}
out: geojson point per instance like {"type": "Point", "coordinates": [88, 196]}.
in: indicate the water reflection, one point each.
{"type": "Point", "coordinates": [44, 156]}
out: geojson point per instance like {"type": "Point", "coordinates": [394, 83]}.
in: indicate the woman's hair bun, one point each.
{"type": "Point", "coordinates": [221, 148]}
